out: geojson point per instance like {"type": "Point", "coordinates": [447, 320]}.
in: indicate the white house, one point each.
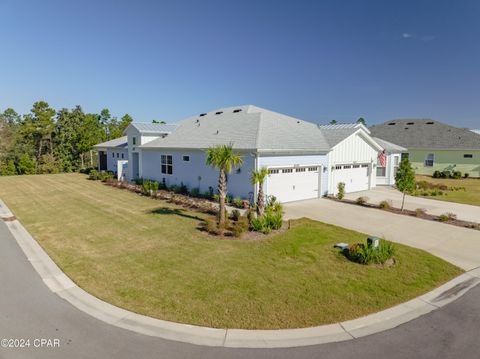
{"type": "Point", "coordinates": [111, 152]}
{"type": "Point", "coordinates": [305, 160]}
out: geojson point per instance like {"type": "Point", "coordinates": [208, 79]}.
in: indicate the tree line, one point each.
{"type": "Point", "coordinates": [49, 141]}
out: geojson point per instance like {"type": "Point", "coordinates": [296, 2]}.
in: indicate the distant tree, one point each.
{"type": "Point", "coordinates": [161, 122]}
{"type": "Point", "coordinates": [117, 127]}
{"type": "Point", "coordinates": [225, 159]}
{"type": "Point", "coordinates": [7, 168]}
{"type": "Point", "coordinates": [67, 134]}
{"type": "Point", "coordinates": [26, 165]}
{"type": "Point", "coordinates": [42, 127]}
{"type": "Point", "coordinates": [333, 122]}
{"type": "Point", "coordinates": [90, 133]}
{"type": "Point", "coordinates": [48, 164]}
{"type": "Point", "coordinates": [10, 116]}
{"type": "Point", "coordinates": [405, 178]}
{"type": "Point", "coordinates": [362, 121]}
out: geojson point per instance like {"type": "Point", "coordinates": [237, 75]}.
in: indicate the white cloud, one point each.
{"type": "Point", "coordinates": [406, 35]}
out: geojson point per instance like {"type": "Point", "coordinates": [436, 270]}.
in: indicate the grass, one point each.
{"type": "Point", "coordinates": [471, 195]}
{"type": "Point", "coordinates": [148, 256]}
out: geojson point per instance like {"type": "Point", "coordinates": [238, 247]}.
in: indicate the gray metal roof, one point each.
{"type": "Point", "coordinates": [389, 147]}
{"type": "Point", "coordinates": [426, 134]}
{"type": "Point", "coordinates": [247, 128]}
{"type": "Point", "coordinates": [154, 128]}
{"type": "Point", "coordinates": [117, 142]}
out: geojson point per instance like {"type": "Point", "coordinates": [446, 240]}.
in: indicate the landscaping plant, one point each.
{"type": "Point", "coordinates": [405, 179]}
{"type": "Point", "coordinates": [367, 254]}
{"type": "Point", "coordinates": [341, 190]}
{"type": "Point", "coordinates": [257, 178]}
{"type": "Point", "coordinates": [225, 159]}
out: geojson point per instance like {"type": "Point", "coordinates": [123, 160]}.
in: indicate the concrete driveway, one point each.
{"type": "Point", "coordinates": [460, 246]}
{"type": "Point", "coordinates": [463, 211]}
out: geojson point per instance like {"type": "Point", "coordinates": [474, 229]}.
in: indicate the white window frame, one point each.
{"type": "Point", "coordinates": [166, 164]}
{"type": "Point", "coordinates": [186, 160]}
{"type": "Point", "coordinates": [134, 140]}
{"type": "Point", "coordinates": [429, 162]}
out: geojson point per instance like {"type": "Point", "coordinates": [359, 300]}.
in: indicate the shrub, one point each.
{"type": "Point", "coordinates": [228, 199]}
{"type": "Point", "coordinates": [139, 181]}
{"type": "Point", "coordinates": [104, 176]}
{"type": "Point", "coordinates": [445, 174]}
{"type": "Point", "coordinates": [456, 174]}
{"type": "Point", "coordinates": [240, 226]}
{"type": "Point", "coordinates": [446, 217]}
{"type": "Point", "coordinates": [420, 212]}
{"type": "Point", "coordinates": [362, 200]}
{"type": "Point", "coordinates": [215, 197]}
{"type": "Point", "coordinates": [93, 175]}
{"type": "Point", "coordinates": [183, 189]}
{"type": "Point", "coordinates": [436, 174]}
{"type": "Point", "coordinates": [386, 204]}
{"type": "Point", "coordinates": [367, 254]}
{"type": "Point", "coordinates": [235, 215]}
{"type": "Point", "coordinates": [212, 227]}
{"type": "Point", "coordinates": [465, 175]}
{"type": "Point", "coordinates": [273, 219]}
{"type": "Point", "coordinates": [195, 192]}
{"type": "Point", "coordinates": [237, 202]}
{"type": "Point", "coordinates": [150, 188]}
{"type": "Point", "coordinates": [341, 190]}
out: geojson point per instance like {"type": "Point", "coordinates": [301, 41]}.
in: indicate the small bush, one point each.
{"type": "Point", "coordinates": [215, 197]}
{"type": "Point", "coordinates": [235, 215]}
{"type": "Point", "coordinates": [212, 227]}
{"type": "Point", "coordinates": [93, 175]}
{"type": "Point", "coordinates": [420, 212]}
{"type": "Point", "coordinates": [195, 192]}
{"type": "Point", "coordinates": [446, 217]}
{"type": "Point", "coordinates": [139, 181]}
{"type": "Point", "coordinates": [366, 254]}
{"type": "Point", "coordinates": [105, 176]}
{"type": "Point", "coordinates": [341, 190]}
{"type": "Point", "coordinates": [445, 174]}
{"type": "Point", "coordinates": [465, 175]}
{"type": "Point", "coordinates": [237, 202]}
{"type": "Point", "coordinates": [228, 199]}
{"type": "Point", "coordinates": [362, 200]}
{"type": "Point", "coordinates": [240, 226]}
{"type": "Point", "coordinates": [273, 219]}
{"type": "Point", "coordinates": [386, 204]}
{"type": "Point", "coordinates": [456, 174]}
{"type": "Point", "coordinates": [436, 174]}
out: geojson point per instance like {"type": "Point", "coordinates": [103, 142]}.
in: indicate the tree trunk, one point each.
{"type": "Point", "coordinates": [222, 192]}
{"type": "Point", "coordinates": [260, 200]}
{"type": "Point", "coordinates": [91, 159]}
{"type": "Point", "coordinates": [403, 200]}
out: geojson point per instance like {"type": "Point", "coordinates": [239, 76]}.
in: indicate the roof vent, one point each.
{"type": "Point", "coordinates": [218, 113]}
{"type": "Point", "coordinates": [410, 123]}
{"type": "Point", "coordinates": [202, 114]}
{"type": "Point", "coordinates": [406, 128]}
{"type": "Point", "coordinates": [391, 123]}
{"type": "Point", "coordinates": [430, 123]}
{"type": "Point", "coordinates": [237, 110]}
{"type": "Point", "coordinates": [298, 121]}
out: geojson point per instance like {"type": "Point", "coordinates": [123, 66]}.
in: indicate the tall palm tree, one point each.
{"type": "Point", "coordinates": [225, 159]}
{"type": "Point", "coordinates": [258, 177]}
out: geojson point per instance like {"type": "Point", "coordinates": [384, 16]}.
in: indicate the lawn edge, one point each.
{"type": "Point", "coordinates": [60, 284]}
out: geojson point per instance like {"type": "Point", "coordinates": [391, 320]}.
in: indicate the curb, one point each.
{"type": "Point", "coordinates": [64, 287]}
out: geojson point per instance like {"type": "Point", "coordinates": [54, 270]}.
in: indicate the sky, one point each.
{"type": "Point", "coordinates": [315, 60]}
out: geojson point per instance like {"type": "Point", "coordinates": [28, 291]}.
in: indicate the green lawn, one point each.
{"type": "Point", "coordinates": [471, 195]}
{"type": "Point", "coordinates": [135, 253]}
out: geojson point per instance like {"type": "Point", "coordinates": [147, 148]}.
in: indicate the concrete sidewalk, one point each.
{"type": "Point", "coordinates": [432, 206]}
{"type": "Point", "coordinates": [60, 284]}
{"type": "Point", "coordinates": [457, 245]}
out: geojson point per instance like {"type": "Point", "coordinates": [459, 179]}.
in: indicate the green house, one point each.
{"type": "Point", "coordinates": [433, 145]}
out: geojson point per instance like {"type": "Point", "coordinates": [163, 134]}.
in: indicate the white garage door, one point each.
{"type": "Point", "coordinates": [293, 183]}
{"type": "Point", "coordinates": [355, 177]}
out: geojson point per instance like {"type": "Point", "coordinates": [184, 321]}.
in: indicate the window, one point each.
{"type": "Point", "coordinates": [364, 165]}
{"type": "Point", "coordinates": [381, 171]}
{"type": "Point", "coordinates": [113, 154]}
{"type": "Point", "coordinates": [123, 156]}
{"type": "Point", "coordinates": [338, 167]}
{"type": "Point", "coordinates": [118, 155]}
{"type": "Point", "coordinates": [429, 160]}
{"type": "Point", "coordinates": [287, 170]}
{"type": "Point", "coordinates": [313, 169]}
{"type": "Point", "coordinates": [167, 164]}
{"type": "Point", "coordinates": [467, 155]}
{"type": "Point", "coordinates": [300, 169]}
{"type": "Point", "coordinates": [186, 158]}
{"type": "Point", "coordinates": [356, 166]}
{"type": "Point", "coordinates": [134, 141]}
{"type": "Point", "coordinates": [347, 166]}
{"type": "Point", "coordinates": [273, 171]}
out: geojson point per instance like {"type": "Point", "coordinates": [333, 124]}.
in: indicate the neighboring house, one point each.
{"type": "Point", "coordinates": [305, 160]}
{"type": "Point", "coordinates": [110, 152]}
{"type": "Point", "coordinates": [433, 145]}
{"type": "Point", "coordinates": [393, 155]}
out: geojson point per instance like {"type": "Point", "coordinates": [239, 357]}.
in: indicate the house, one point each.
{"type": "Point", "coordinates": [433, 145]}
{"type": "Point", "coordinates": [110, 152]}
{"type": "Point", "coordinates": [305, 160]}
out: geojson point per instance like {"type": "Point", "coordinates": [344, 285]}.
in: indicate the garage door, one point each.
{"type": "Point", "coordinates": [293, 183]}
{"type": "Point", "coordinates": [355, 177]}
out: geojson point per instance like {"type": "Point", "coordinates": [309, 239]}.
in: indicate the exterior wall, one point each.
{"type": "Point", "coordinates": [114, 155]}
{"type": "Point", "coordinates": [353, 150]}
{"type": "Point", "coordinates": [389, 179]}
{"type": "Point", "coordinates": [446, 160]}
{"type": "Point", "coordinates": [196, 173]}
{"type": "Point", "coordinates": [301, 160]}
{"type": "Point", "coordinates": [135, 165]}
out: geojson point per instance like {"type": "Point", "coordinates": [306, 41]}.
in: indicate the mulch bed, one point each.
{"type": "Point", "coordinates": [407, 212]}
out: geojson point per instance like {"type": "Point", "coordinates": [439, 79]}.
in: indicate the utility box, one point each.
{"type": "Point", "coordinates": [373, 242]}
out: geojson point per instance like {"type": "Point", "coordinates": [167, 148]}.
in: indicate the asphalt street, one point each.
{"type": "Point", "coordinates": [30, 311]}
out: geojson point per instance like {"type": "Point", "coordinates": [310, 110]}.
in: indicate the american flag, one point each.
{"type": "Point", "coordinates": [382, 159]}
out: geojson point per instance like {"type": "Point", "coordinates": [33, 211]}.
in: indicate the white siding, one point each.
{"type": "Point", "coordinates": [112, 157]}
{"type": "Point", "coordinates": [195, 173]}
{"type": "Point", "coordinates": [301, 160]}
{"type": "Point", "coordinates": [389, 178]}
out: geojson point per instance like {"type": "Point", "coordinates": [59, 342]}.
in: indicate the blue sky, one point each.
{"type": "Point", "coordinates": [316, 60]}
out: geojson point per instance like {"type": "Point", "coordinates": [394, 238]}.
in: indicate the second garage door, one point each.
{"type": "Point", "coordinates": [355, 177]}
{"type": "Point", "coordinates": [289, 184]}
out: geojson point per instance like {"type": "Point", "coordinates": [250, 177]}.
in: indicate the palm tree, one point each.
{"type": "Point", "coordinates": [225, 159]}
{"type": "Point", "coordinates": [258, 177]}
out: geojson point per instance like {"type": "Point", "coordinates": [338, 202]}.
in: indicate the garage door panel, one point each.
{"type": "Point", "coordinates": [293, 184]}
{"type": "Point", "coordinates": [355, 178]}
